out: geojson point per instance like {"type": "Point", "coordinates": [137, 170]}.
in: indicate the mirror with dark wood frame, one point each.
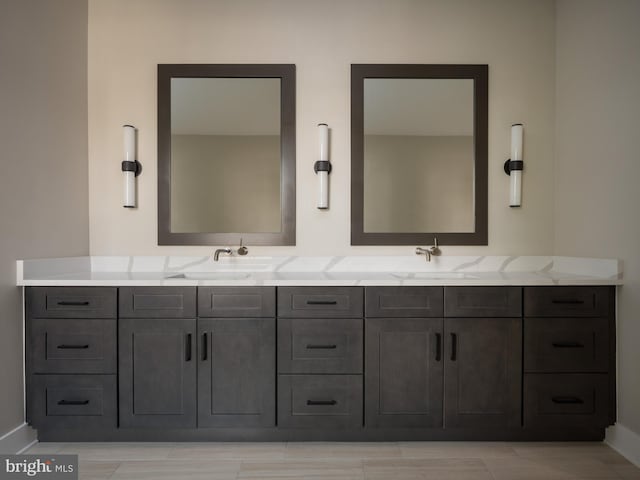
{"type": "Point", "coordinates": [419, 154]}
{"type": "Point", "coordinates": [226, 154]}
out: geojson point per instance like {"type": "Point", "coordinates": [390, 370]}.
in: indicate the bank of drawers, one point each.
{"type": "Point", "coordinates": [320, 356]}
{"type": "Point", "coordinates": [72, 359]}
{"type": "Point", "coordinates": [567, 356]}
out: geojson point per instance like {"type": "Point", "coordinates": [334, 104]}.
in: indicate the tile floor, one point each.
{"type": "Point", "coordinates": [346, 461]}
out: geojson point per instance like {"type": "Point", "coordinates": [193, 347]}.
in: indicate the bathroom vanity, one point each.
{"type": "Point", "coordinates": [317, 362]}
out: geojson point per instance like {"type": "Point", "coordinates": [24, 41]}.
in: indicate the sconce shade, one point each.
{"type": "Point", "coordinates": [323, 167]}
{"type": "Point", "coordinates": [130, 166]}
{"type": "Point", "coordinates": [515, 165]}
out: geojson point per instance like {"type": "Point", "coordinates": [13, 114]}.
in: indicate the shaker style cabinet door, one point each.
{"type": "Point", "coordinates": [403, 372]}
{"type": "Point", "coordinates": [157, 373]}
{"type": "Point", "coordinates": [483, 372]}
{"type": "Point", "coordinates": [236, 372]}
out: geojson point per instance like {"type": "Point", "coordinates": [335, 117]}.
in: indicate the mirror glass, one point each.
{"type": "Point", "coordinates": [226, 154]}
{"type": "Point", "coordinates": [419, 154]}
{"type": "Point", "coordinates": [418, 151]}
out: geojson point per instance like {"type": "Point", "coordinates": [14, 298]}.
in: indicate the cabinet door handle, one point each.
{"type": "Point", "coordinates": [454, 347]}
{"type": "Point", "coordinates": [567, 301]}
{"type": "Point", "coordinates": [321, 347]}
{"type": "Point", "coordinates": [321, 402]}
{"type": "Point", "coordinates": [567, 345]}
{"type": "Point", "coordinates": [73, 402]}
{"type": "Point", "coordinates": [73, 304]}
{"type": "Point", "coordinates": [73, 347]}
{"type": "Point", "coordinates": [322, 302]}
{"type": "Point", "coordinates": [438, 347]}
{"type": "Point", "coordinates": [205, 346]}
{"type": "Point", "coordinates": [567, 400]}
{"type": "Point", "coordinates": [188, 348]}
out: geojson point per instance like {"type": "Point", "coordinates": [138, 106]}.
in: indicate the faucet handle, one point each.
{"type": "Point", "coordinates": [435, 250]}
{"type": "Point", "coordinates": [242, 250]}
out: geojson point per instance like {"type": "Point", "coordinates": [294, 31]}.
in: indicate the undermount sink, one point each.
{"type": "Point", "coordinates": [208, 276]}
{"type": "Point", "coordinates": [434, 275]}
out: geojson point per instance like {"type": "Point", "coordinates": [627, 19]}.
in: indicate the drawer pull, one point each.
{"type": "Point", "coordinates": [567, 301]}
{"type": "Point", "coordinates": [205, 346]}
{"type": "Point", "coordinates": [188, 348]}
{"type": "Point", "coordinates": [321, 402]}
{"type": "Point", "coordinates": [567, 400]}
{"type": "Point", "coordinates": [73, 304]}
{"type": "Point", "coordinates": [567, 345]}
{"type": "Point", "coordinates": [322, 302]}
{"type": "Point", "coordinates": [454, 347]}
{"type": "Point", "coordinates": [321, 347]}
{"type": "Point", "coordinates": [73, 347]}
{"type": "Point", "coordinates": [73, 402]}
{"type": "Point", "coordinates": [438, 347]}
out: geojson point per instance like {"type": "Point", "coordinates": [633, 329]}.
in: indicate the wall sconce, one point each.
{"type": "Point", "coordinates": [323, 167]}
{"type": "Point", "coordinates": [513, 166]}
{"type": "Point", "coordinates": [130, 166]}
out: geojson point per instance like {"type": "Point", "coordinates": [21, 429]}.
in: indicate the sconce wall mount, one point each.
{"type": "Point", "coordinates": [511, 165]}
{"type": "Point", "coordinates": [132, 166]}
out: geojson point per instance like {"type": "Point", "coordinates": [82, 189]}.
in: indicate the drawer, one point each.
{"type": "Point", "coordinates": [566, 345]}
{"type": "Point", "coordinates": [319, 345]}
{"type": "Point", "coordinates": [71, 302]}
{"type": "Point", "coordinates": [320, 302]}
{"type": "Point", "coordinates": [483, 301]}
{"type": "Point", "coordinates": [403, 301]}
{"type": "Point", "coordinates": [157, 302]}
{"type": "Point", "coordinates": [73, 401]}
{"type": "Point", "coordinates": [229, 302]}
{"type": "Point", "coordinates": [567, 301]}
{"type": "Point", "coordinates": [69, 345]}
{"type": "Point", "coordinates": [566, 400]}
{"type": "Point", "coordinates": [320, 401]}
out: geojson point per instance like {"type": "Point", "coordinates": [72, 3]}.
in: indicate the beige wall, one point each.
{"type": "Point", "coordinates": [598, 165]}
{"type": "Point", "coordinates": [407, 178]}
{"type": "Point", "coordinates": [43, 183]}
{"type": "Point", "coordinates": [225, 183]}
{"type": "Point", "coordinates": [127, 39]}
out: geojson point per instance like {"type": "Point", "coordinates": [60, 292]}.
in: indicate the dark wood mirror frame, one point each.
{"type": "Point", "coordinates": [479, 75]}
{"type": "Point", "coordinates": [287, 74]}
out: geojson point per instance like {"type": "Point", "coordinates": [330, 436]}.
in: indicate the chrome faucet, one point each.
{"type": "Point", "coordinates": [216, 255]}
{"type": "Point", "coordinates": [429, 252]}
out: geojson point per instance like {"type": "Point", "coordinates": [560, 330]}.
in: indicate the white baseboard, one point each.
{"type": "Point", "coordinates": [18, 439]}
{"type": "Point", "coordinates": [624, 441]}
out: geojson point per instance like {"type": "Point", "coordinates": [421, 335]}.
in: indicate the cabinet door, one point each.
{"type": "Point", "coordinates": [157, 373]}
{"type": "Point", "coordinates": [236, 372]}
{"type": "Point", "coordinates": [403, 372]}
{"type": "Point", "coordinates": [483, 372]}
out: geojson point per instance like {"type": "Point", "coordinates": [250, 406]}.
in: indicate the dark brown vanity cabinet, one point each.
{"type": "Point", "coordinates": [236, 357]}
{"type": "Point", "coordinates": [320, 363]}
{"type": "Point", "coordinates": [157, 357]}
{"type": "Point", "coordinates": [569, 357]}
{"type": "Point", "coordinates": [404, 373]}
{"type": "Point", "coordinates": [483, 371]}
{"type": "Point", "coordinates": [452, 372]}
{"type": "Point", "coordinates": [179, 371]}
{"type": "Point", "coordinates": [320, 343]}
{"type": "Point", "coordinates": [71, 357]}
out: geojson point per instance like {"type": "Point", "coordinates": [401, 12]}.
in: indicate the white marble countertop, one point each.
{"type": "Point", "coordinates": [303, 271]}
